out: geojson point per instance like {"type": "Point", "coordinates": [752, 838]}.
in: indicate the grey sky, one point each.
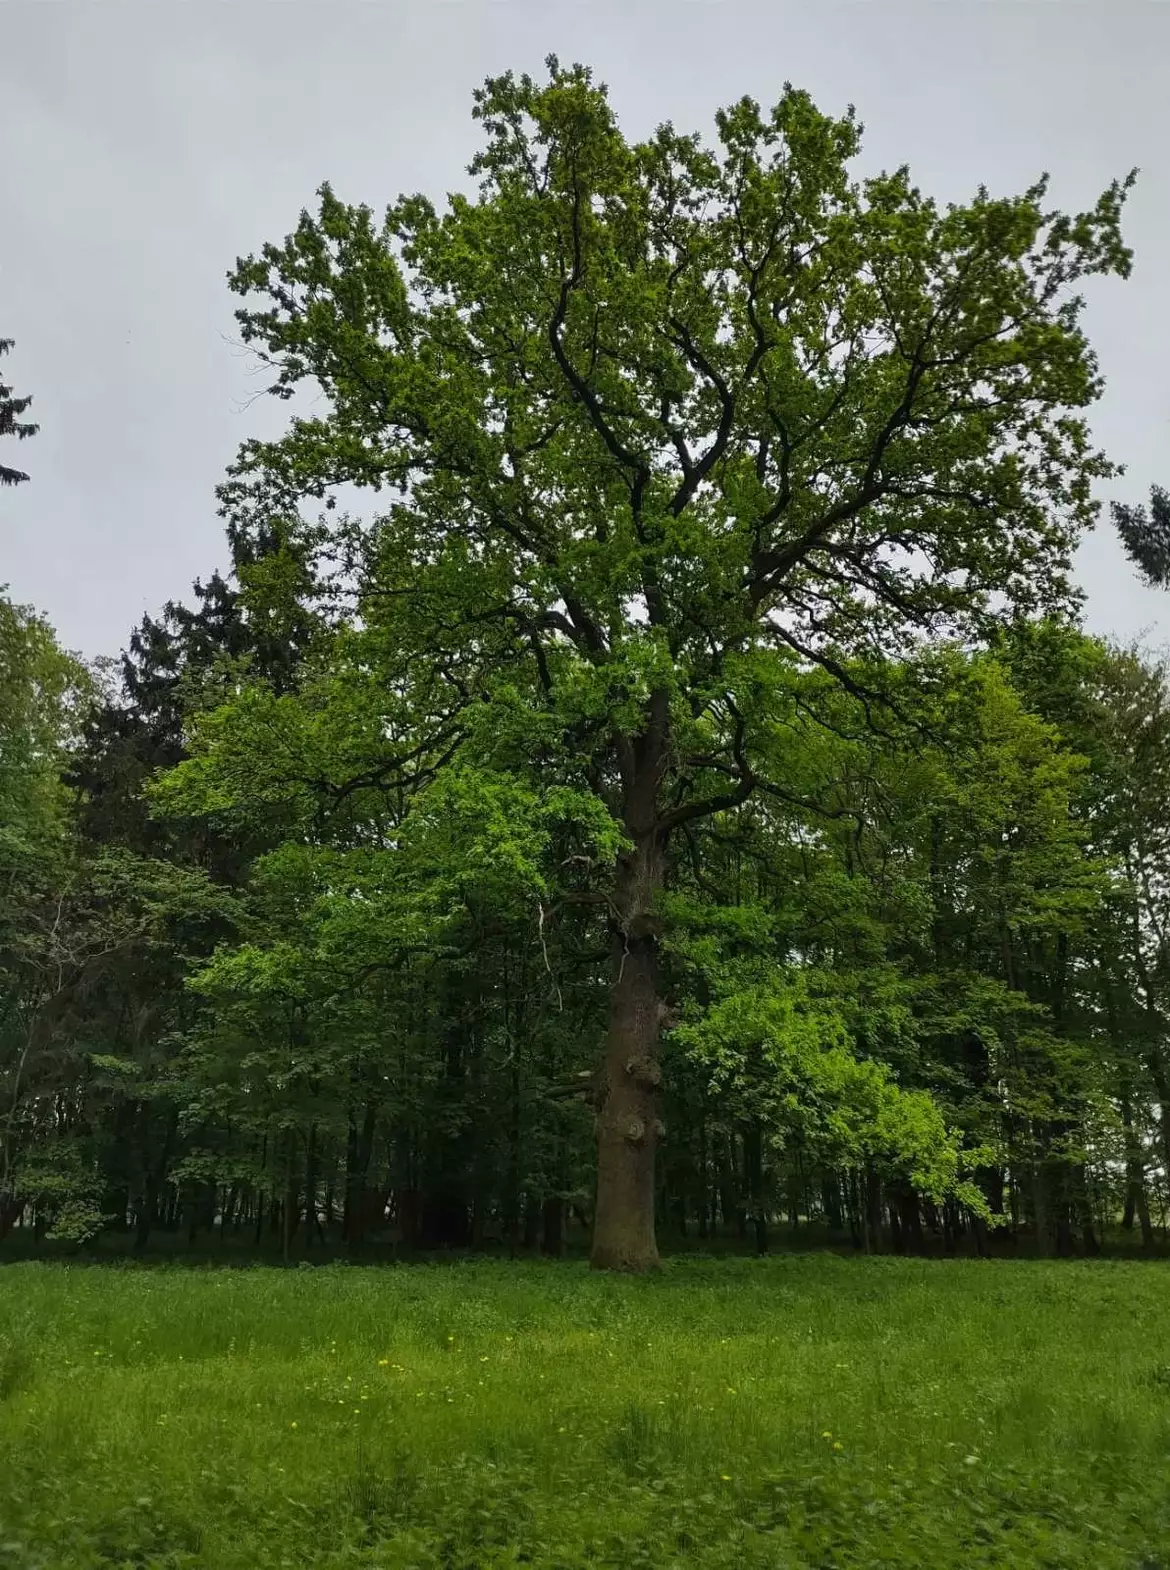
{"type": "Point", "coordinates": [148, 145]}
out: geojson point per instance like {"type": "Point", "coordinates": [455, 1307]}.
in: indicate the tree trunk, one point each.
{"type": "Point", "coordinates": [311, 1165]}
{"type": "Point", "coordinates": [532, 1218]}
{"type": "Point", "coordinates": [1040, 1210]}
{"type": "Point", "coordinates": [1135, 1192]}
{"type": "Point", "coordinates": [628, 1126]}
{"type": "Point", "coordinates": [286, 1210]}
{"type": "Point", "coordinates": [1084, 1212]}
{"type": "Point", "coordinates": [408, 1213]}
{"type": "Point", "coordinates": [873, 1211]}
{"type": "Point", "coordinates": [359, 1147]}
{"type": "Point", "coordinates": [704, 1202]}
{"type": "Point", "coordinates": [853, 1204]}
{"type": "Point", "coordinates": [831, 1202]}
{"type": "Point", "coordinates": [553, 1226]}
{"type": "Point", "coordinates": [911, 1219]}
{"type": "Point", "coordinates": [754, 1164]}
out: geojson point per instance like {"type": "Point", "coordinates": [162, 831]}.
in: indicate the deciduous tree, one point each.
{"type": "Point", "coordinates": [652, 410]}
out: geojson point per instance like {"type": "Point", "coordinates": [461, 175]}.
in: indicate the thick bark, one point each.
{"type": "Point", "coordinates": [627, 1122]}
{"type": "Point", "coordinates": [628, 1126]}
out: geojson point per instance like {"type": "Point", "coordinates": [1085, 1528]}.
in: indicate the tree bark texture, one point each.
{"type": "Point", "coordinates": [628, 1127]}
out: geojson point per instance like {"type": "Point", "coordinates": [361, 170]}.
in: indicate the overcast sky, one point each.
{"type": "Point", "coordinates": [146, 146]}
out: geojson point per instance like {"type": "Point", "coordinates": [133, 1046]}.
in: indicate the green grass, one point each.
{"type": "Point", "coordinates": [799, 1411]}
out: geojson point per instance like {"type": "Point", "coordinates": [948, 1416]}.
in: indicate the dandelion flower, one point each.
{"type": "Point", "coordinates": [837, 1445]}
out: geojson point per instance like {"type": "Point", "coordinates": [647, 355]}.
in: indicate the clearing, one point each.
{"type": "Point", "coordinates": [793, 1411]}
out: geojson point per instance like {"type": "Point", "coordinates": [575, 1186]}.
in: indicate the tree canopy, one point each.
{"type": "Point", "coordinates": [665, 421]}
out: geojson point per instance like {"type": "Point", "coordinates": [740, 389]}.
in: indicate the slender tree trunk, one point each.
{"type": "Point", "coordinates": [704, 1204]}
{"type": "Point", "coordinates": [359, 1147]}
{"type": "Point", "coordinates": [512, 1217]}
{"type": "Point", "coordinates": [147, 1211]}
{"type": "Point", "coordinates": [853, 1206]}
{"type": "Point", "coordinates": [311, 1163]}
{"type": "Point", "coordinates": [532, 1221]}
{"type": "Point", "coordinates": [553, 1226]}
{"type": "Point", "coordinates": [1040, 1209]}
{"type": "Point", "coordinates": [831, 1201]}
{"type": "Point", "coordinates": [754, 1165]}
{"type": "Point", "coordinates": [1157, 1067]}
{"type": "Point", "coordinates": [1135, 1192]}
{"type": "Point", "coordinates": [873, 1211]}
{"type": "Point", "coordinates": [288, 1206]}
{"type": "Point", "coordinates": [229, 1215]}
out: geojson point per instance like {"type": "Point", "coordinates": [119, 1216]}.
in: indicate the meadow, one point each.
{"type": "Point", "coordinates": [795, 1411]}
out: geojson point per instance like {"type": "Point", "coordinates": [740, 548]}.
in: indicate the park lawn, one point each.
{"type": "Point", "coordinates": [795, 1411]}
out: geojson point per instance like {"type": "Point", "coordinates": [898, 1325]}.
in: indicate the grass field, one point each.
{"type": "Point", "coordinates": [798, 1411]}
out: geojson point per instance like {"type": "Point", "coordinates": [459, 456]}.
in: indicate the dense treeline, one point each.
{"type": "Point", "coordinates": [927, 998]}
{"type": "Point", "coordinates": [689, 808]}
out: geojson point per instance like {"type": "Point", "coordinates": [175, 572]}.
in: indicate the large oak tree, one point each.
{"type": "Point", "coordinates": [647, 410]}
